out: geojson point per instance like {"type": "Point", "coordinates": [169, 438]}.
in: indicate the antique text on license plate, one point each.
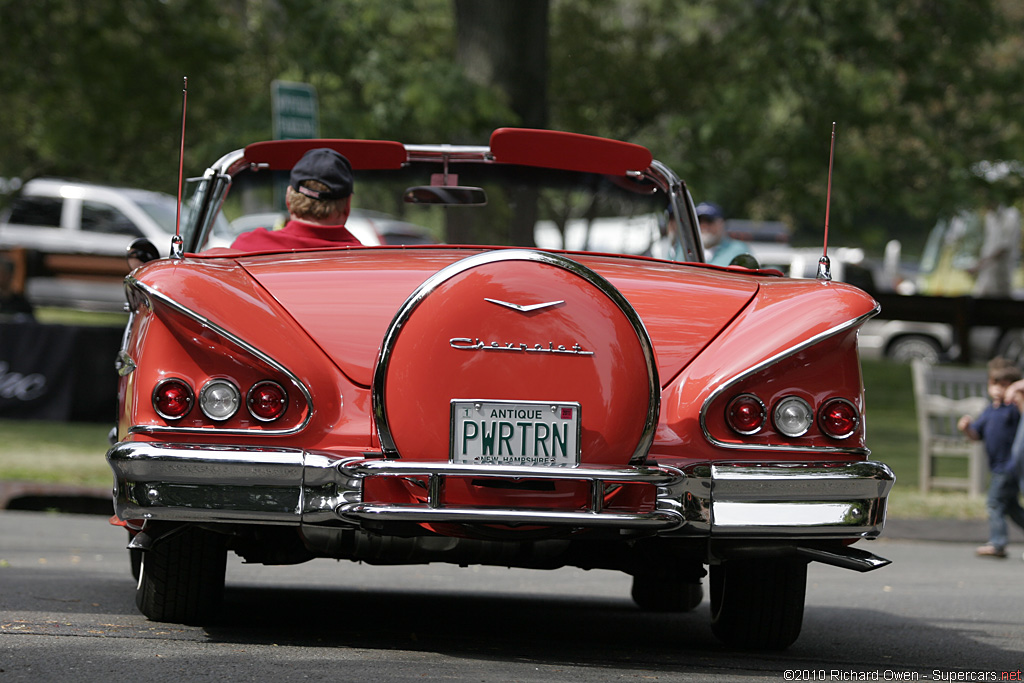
{"type": "Point", "coordinates": [516, 433]}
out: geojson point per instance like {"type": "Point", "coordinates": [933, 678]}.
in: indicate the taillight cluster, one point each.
{"type": "Point", "coordinates": [219, 399]}
{"type": "Point", "coordinates": [792, 416]}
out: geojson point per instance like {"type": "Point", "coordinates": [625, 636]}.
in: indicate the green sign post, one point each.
{"type": "Point", "coordinates": [296, 111]}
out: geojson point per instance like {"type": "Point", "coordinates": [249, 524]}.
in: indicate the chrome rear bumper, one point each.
{"type": "Point", "coordinates": [180, 482]}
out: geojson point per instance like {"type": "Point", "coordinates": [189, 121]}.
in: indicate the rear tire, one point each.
{"type": "Point", "coordinates": [653, 594]}
{"type": "Point", "coordinates": [758, 604]}
{"type": "Point", "coordinates": [181, 579]}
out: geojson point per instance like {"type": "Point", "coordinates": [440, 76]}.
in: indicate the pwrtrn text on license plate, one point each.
{"type": "Point", "coordinates": [525, 433]}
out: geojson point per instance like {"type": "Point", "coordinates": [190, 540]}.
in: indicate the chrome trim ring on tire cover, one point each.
{"type": "Point", "coordinates": [599, 282]}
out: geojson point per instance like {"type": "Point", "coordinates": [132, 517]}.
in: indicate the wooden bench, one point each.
{"type": "Point", "coordinates": [943, 394]}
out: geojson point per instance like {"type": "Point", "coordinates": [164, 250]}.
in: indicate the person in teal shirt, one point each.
{"type": "Point", "coordinates": [719, 248]}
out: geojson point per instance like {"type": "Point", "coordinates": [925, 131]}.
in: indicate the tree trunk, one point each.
{"type": "Point", "coordinates": [504, 43]}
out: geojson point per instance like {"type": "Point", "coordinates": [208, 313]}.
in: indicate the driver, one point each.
{"type": "Point", "coordinates": [319, 199]}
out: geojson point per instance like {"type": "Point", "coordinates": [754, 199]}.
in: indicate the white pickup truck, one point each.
{"type": "Point", "coordinates": [76, 235]}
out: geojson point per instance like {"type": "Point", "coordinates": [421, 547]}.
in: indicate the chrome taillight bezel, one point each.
{"type": "Point", "coordinates": [249, 400]}
{"type": "Point", "coordinates": [750, 400]}
{"type": "Point", "coordinates": [823, 421]}
{"type": "Point", "coordinates": [206, 401]}
{"type": "Point", "coordinates": [190, 394]}
{"type": "Point", "coordinates": [779, 420]}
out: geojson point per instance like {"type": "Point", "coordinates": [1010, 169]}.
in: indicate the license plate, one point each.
{"type": "Point", "coordinates": [541, 434]}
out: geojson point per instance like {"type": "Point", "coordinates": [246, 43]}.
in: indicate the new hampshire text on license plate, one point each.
{"type": "Point", "coordinates": [513, 433]}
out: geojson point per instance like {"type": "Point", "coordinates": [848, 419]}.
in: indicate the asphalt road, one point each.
{"type": "Point", "coordinates": [67, 613]}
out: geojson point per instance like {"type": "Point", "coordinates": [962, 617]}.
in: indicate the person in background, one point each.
{"type": "Point", "coordinates": [1000, 252]}
{"type": "Point", "coordinates": [1015, 395]}
{"type": "Point", "coordinates": [319, 200]}
{"type": "Point", "coordinates": [13, 303]}
{"type": "Point", "coordinates": [719, 247]}
{"type": "Point", "coordinates": [997, 426]}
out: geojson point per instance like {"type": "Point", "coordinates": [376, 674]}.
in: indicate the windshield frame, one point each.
{"type": "Point", "coordinates": [211, 190]}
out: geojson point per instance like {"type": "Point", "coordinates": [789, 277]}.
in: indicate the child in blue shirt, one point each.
{"type": "Point", "coordinates": [996, 426]}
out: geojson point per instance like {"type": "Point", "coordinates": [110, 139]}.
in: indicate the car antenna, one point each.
{"type": "Point", "coordinates": [824, 265]}
{"type": "Point", "coordinates": [176, 241]}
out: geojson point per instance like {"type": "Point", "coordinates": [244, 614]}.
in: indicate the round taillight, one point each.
{"type": "Point", "coordinates": [838, 418]}
{"type": "Point", "coordinates": [793, 416]}
{"type": "Point", "coordinates": [172, 398]}
{"type": "Point", "coordinates": [267, 400]}
{"type": "Point", "coordinates": [745, 414]}
{"type": "Point", "coordinates": [219, 399]}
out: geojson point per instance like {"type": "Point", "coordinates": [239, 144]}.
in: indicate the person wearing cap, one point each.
{"type": "Point", "coordinates": [319, 199]}
{"type": "Point", "coordinates": [719, 247]}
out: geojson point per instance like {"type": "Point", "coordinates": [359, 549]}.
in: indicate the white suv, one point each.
{"type": "Point", "coordinates": [81, 232]}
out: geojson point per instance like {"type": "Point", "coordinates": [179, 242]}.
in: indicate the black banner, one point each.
{"type": "Point", "coordinates": [58, 372]}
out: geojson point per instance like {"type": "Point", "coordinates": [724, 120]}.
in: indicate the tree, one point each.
{"type": "Point", "coordinates": [94, 89]}
{"type": "Point", "coordinates": [740, 98]}
{"type": "Point", "coordinates": [503, 46]}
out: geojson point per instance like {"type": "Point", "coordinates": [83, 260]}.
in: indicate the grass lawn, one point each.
{"type": "Point", "coordinates": [69, 316]}
{"type": "Point", "coordinates": [891, 424]}
{"type": "Point", "coordinates": [58, 452]}
{"type": "Point", "coordinates": [72, 453]}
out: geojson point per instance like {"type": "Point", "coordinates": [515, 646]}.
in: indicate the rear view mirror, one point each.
{"type": "Point", "coordinates": [457, 195]}
{"type": "Point", "coordinates": [141, 251]}
{"type": "Point", "coordinates": [746, 261]}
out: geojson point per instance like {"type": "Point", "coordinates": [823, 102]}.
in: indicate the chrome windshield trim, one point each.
{"type": "Point", "coordinates": [681, 202]}
{"type": "Point", "coordinates": [246, 346]}
{"type": "Point", "coordinates": [205, 205]}
{"type": "Point", "coordinates": [782, 355]}
{"type": "Point", "coordinates": [443, 275]}
{"type": "Point", "coordinates": [477, 153]}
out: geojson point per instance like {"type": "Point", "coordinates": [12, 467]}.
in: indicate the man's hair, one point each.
{"type": "Point", "coordinates": [1002, 371]}
{"type": "Point", "coordinates": [302, 206]}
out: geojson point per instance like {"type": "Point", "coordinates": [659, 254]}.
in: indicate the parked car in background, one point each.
{"type": "Point", "coordinates": [492, 405]}
{"type": "Point", "coordinates": [76, 235]}
{"type": "Point", "coordinates": [897, 340]}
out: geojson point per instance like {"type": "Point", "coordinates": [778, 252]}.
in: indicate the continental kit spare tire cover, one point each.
{"type": "Point", "coordinates": [518, 358]}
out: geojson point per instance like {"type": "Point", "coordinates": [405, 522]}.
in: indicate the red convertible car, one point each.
{"type": "Point", "coordinates": [568, 401]}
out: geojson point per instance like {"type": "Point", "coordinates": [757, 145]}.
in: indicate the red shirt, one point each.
{"type": "Point", "coordinates": [295, 235]}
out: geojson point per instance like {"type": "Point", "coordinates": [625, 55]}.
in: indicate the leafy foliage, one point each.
{"type": "Point", "coordinates": [739, 97]}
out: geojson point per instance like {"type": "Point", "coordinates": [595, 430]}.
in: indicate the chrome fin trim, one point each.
{"type": "Point", "coordinates": [774, 360]}
{"type": "Point", "coordinates": [151, 293]}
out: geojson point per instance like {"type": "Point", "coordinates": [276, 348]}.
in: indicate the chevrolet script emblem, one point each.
{"type": "Point", "coordinates": [468, 344]}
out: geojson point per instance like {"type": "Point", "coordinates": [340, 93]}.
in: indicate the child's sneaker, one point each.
{"type": "Point", "coordinates": [990, 550]}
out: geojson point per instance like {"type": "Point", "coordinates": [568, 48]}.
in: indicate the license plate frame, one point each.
{"type": "Point", "coordinates": [515, 433]}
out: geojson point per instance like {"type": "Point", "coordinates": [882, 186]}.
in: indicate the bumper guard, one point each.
{"type": "Point", "coordinates": [189, 483]}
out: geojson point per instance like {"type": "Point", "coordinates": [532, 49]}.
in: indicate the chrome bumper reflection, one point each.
{"type": "Point", "coordinates": [805, 499]}
{"type": "Point", "coordinates": [182, 482]}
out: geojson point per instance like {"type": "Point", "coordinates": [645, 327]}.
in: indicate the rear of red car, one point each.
{"type": "Point", "coordinates": [484, 405]}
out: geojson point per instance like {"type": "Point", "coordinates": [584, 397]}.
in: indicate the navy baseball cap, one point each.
{"type": "Point", "coordinates": [326, 166]}
{"type": "Point", "coordinates": [709, 210]}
